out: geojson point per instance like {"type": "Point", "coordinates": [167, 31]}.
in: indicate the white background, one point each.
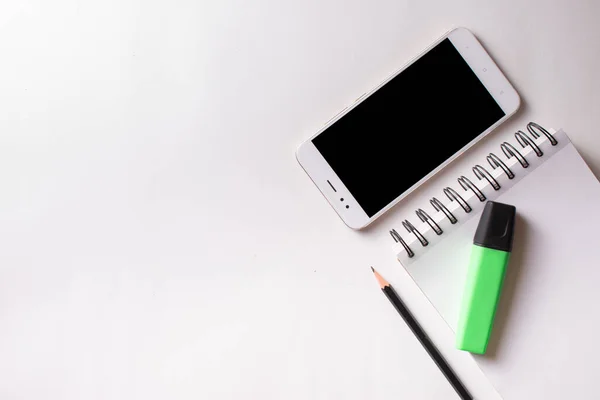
{"type": "Point", "coordinates": [159, 240]}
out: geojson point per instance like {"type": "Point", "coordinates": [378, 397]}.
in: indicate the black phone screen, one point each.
{"type": "Point", "coordinates": [408, 127]}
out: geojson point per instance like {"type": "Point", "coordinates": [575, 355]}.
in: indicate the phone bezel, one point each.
{"type": "Point", "coordinates": [332, 187]}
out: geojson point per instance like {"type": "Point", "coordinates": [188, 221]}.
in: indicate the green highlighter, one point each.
{"type": "Point", "coordinates": [487, 266]}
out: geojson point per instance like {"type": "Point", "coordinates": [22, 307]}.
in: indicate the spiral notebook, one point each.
{"type": "Point", "coordinates": [544, 344]}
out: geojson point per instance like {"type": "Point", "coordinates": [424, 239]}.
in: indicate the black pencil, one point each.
{"type": "Point", "coordinates": [414, 326]}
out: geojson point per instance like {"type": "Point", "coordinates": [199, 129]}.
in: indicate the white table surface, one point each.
{"type": "Point", "coordinates": [158, 238]}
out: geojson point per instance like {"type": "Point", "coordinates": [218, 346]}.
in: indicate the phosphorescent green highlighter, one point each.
{"type": "Point", "coordinates": [487, 266]}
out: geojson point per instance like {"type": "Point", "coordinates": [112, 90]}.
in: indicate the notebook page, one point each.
{"type": "Point", "coordinates": [454, 244]}
{"type": "Point", "coordinates": [542, 345]}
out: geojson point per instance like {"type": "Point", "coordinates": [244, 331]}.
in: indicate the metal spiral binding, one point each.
{"type": "Point", "coordinates": [466, 183]}
{"type": "Point", "coordinates": [524, 140]}
{"type": "Point", "coordinates": [480, 172]}
{"type": "Point", "coordinates": [411, 229]}
{"type": "Point", "coordinates": [532, 126]}
{"type": "Point", "coordinates": [510, 151]}
{"type": "Point", "coordinates": [453, 196]}
{"type": "Point", "coordinates": [423, 216]}
{"type": "Point", "coordinates": [439, 206]}
{"type": "Point", "coordinates": [495, 161]}
{"type": "Point", "coordinates": [398, 239]}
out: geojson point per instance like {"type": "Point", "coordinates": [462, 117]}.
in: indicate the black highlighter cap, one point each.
{"type": "Point", "coordinates": [496, 226]}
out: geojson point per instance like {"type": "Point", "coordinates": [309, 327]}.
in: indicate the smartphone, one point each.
{"type": "Point", "coordinates": [393, 138]}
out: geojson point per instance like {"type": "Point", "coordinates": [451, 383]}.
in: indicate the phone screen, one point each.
{"type": "Point", "coordinates": [408, 127]}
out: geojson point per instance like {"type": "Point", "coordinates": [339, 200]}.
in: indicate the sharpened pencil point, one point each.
{"type": "Point", "coordinates": [382, 282]}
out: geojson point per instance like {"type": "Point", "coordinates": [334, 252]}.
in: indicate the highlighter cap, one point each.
{"type": "Point", "coordinates": [496, 226]}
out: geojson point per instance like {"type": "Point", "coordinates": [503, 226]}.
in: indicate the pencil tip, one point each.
{"type": "Point", "coordinates": [382, 282]}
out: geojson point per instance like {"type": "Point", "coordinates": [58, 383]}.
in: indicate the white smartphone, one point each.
{"type": "Point", "coordinates": [378, 150]}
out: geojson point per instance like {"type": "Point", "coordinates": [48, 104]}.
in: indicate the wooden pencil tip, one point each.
{"type": "Point", "coordinates": [382, 282]}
